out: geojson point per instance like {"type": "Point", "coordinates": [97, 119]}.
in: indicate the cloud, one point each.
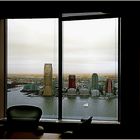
{"type": "Point", "coordinates": [88, 45]}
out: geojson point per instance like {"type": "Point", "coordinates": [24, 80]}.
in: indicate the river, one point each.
{"type": "Point", "coordinates": [72, 107]}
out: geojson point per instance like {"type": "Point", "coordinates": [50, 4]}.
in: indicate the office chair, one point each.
{"type": "Point", "coordinates": [24, 118]}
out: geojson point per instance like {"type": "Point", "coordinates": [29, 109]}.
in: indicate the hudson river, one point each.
{"type": "Point", "coordinates": [73, 107]}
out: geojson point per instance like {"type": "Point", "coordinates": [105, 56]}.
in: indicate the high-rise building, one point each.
{"type": "Point", "coordinates": [72, 81]}
{"type": "Point", "coordinates": [108, 87]}
{"type": "Point", "coordinates": [94, 81]}
{"type": "Point", "coordinates": [47, 80]}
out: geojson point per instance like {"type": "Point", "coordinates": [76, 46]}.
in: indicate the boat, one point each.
{"type": "Point", "coordinates": [85, 105]}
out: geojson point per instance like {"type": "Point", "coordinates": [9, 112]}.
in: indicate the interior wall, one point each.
{"type": "Point", "coordinates": [1, 68]}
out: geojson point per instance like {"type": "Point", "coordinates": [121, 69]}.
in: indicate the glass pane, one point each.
{"type": "Point", "coordinates": [33, 64]}
{"type": "Point", "coordinates": [90, 69]}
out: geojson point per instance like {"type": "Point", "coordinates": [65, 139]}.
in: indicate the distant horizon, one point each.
{"type": "Point", "coordinates": [37, 74]}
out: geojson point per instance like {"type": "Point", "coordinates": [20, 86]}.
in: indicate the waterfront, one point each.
{"type": "Point", "coordinates": [73, 107]}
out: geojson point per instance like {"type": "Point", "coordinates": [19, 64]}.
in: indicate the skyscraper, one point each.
{"type": "Point", "coordinates": [47, 80]}
{"type": "Point", "coordinates": [94, 81]}
{"type": "Point", "coordinates": [108, 87]}
{"type": "Point", "coordinates": [72, 81]}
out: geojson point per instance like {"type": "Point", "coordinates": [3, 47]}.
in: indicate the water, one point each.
{"type": "Point", "coordinates": [73, 107]}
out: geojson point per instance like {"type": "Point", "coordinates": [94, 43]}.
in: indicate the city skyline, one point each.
{"type": "Point", "coordinates": [34, 42]}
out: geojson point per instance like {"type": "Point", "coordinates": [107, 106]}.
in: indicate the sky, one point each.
{"type": "Point", "coordinates": [89, 46]}
{"type": "Point", "coordinates": [31, 44]}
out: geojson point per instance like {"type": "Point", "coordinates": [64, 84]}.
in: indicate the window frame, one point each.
{"type": "Point", "coordinates": [94, 15]}
{"type": "Point", "coordinates": [62, 18]}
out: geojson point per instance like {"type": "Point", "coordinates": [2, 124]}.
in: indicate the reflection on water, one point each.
{"type": "Point", "coordinates": [73, 107]}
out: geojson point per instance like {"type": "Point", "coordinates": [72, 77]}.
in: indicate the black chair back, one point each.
{"type": "Point", "coordinates": [23, 117]}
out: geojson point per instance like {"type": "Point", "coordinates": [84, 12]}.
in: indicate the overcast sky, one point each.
{"type": "Point", "coordinates": [88, 45]}
{"type": "Point", "coordinates": [31, 44]}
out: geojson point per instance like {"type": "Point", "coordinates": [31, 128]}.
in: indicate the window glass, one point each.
{"type": "Point", "coordinates": [90, 69]}
{"type": "Point", "coordinates": [33, 64]}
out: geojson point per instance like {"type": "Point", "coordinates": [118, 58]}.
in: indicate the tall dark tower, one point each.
{"type": "Point", "coordinates": [94, 81]}
{"type": "Point", "coordinates": [108, 87]}
{"type": "Point", "coordinates": [72, 81]}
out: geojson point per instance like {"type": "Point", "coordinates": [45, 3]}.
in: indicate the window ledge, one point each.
{"type": "Point", "coordinates": [78, 121]}
{"type": "Point", "coordinates": [71, 121]}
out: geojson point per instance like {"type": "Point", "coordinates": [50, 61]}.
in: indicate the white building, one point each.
{"type": "Point", "coordinates": [95, 92]}
{"type": "Point", "coordinates": [71, 92]}
{"type": "Point", "coordinates": [83, 91]}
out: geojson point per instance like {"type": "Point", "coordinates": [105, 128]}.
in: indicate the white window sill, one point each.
{"type": "Point", "coordinates": [78, 121]}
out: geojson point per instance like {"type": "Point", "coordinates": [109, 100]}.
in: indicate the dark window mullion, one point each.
{"type": "Point", "coordinates": [119, 69]}
{"type": "Point", "coordinates": [60, 69]}
{"type": "Point", "coordinates": [5, 66]}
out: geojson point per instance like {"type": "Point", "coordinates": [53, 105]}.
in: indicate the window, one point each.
{"type": "Point", "coordinates": [33, 64]}
{"type": "Point", "coordinates": [89, 67]}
